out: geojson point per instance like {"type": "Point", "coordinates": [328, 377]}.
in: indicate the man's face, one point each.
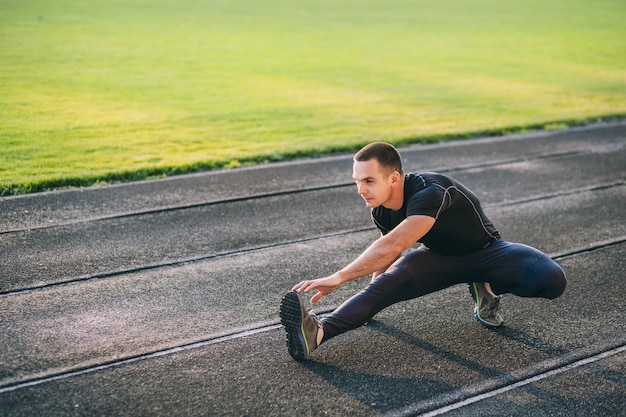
{"type": "Point", "coordinates": [373, 184]}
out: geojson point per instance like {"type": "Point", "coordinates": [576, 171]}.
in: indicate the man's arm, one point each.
{"type": "Point", "coordinates": [378, 256]}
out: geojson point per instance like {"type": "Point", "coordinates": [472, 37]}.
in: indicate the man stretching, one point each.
{"type": "Point", "coordinates": [459, 245]}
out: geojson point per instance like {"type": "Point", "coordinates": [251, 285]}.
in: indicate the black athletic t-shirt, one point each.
{"type": "Point", "coordinates": [460, 228]}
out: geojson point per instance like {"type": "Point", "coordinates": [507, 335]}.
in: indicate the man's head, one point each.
{"type": "Point", "coordinates": [386, 155]}
{"type": "Point", "coordinates": [377, 172]}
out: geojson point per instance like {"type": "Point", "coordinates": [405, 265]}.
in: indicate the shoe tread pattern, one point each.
{"type": "Point", "coordinates": [291, 319]}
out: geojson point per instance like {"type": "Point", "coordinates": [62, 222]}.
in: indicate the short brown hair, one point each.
{"type": "Point", "coordinates": [386, 154]}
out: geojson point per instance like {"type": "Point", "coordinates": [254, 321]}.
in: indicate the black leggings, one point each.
{"type": "Point", "coordinates": [508, 267]}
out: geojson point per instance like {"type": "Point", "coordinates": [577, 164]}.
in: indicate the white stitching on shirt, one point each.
{"type": "Point", "coordinates": [446, 192]}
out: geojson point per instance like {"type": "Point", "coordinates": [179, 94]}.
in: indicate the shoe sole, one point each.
{"type": "Point", "coordinates": [483, 322]}
{"type": "Point", "coordinates": [291, 319]}
{"type": "Point", "coordinates": [474, 293]}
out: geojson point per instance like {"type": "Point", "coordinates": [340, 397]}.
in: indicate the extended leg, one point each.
{"type": "Point", "coordinates": [418, 273]}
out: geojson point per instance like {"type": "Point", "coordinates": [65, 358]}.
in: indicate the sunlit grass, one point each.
{"type": "Point", "coordinates": [107, 91]}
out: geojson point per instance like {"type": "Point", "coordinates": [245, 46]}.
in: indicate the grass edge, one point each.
{"type": "Point", "coordinates": [125, 176]}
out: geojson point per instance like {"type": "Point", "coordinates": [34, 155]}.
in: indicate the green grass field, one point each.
{"type": "Point", "coordinates": [102, 91]}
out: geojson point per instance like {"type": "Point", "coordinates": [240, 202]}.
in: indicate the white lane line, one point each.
{"type": "Point", "coordinates": [412, 410]}
{"type": "Point", "coordinates": [157, 354]}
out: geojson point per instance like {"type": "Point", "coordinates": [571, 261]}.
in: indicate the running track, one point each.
{"type": "Point", "coordinates": [160, 298]}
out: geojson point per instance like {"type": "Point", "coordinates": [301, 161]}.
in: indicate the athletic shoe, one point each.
{"type": "Point", "coordinates": [301, 326]}
{"type": "Point", "coordinates": [487, 307]}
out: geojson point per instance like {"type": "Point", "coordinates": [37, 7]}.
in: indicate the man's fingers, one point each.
{"type": "Point", "coordinates": [316, 297]}
{"type": "Point", "coordinates": [301, 286]}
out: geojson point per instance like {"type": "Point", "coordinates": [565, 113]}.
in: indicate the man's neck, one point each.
{"type": "Point", "coordinates": [397, 198]}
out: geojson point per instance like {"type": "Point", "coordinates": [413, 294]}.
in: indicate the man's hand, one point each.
{"type": "Point", "coordinates": [323, 286]}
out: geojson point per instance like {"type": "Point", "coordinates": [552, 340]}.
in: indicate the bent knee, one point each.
{"type": "Point", "coordinates": [555, 281]}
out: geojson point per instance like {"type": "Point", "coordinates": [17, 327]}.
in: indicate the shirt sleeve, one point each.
{"type": "Point", "coordinates": [430, 201]}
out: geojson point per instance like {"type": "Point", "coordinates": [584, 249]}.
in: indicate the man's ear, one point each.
{"type": "Point", "coordinates": [395, 178]}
